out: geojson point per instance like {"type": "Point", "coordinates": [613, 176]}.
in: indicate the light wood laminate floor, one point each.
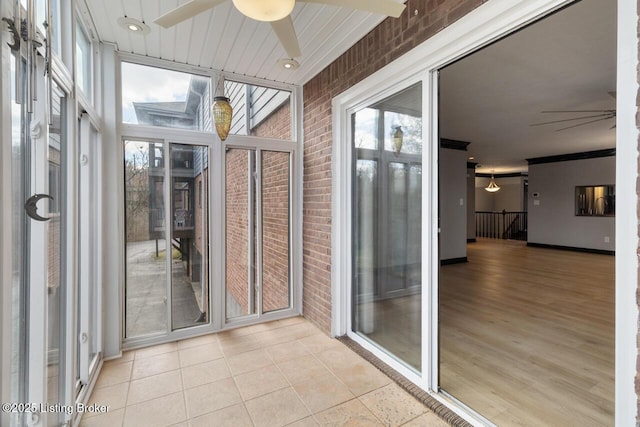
{"type": "Point", "coordinates": [527, 334]}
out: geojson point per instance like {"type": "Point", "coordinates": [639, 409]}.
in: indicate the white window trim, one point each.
{"type": "Point", "coordinates": [485, 24]}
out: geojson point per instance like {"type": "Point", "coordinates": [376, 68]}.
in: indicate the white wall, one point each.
{"type": "Point", "coordinates": [453, 201]}
{"type": "Point", "coordinates": [553, 220]}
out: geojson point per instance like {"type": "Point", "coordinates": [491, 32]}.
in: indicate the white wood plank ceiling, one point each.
{"type": "Point", "coordinates": [224, 39]}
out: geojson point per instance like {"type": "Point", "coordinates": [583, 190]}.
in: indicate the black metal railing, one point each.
{"type": "Point", "coordinates": [501, 225]}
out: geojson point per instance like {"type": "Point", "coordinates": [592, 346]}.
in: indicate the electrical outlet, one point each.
{"type": "Point", "coordinates": [607, 239]}
{"type": "Point", "coordinates": [536, 203]}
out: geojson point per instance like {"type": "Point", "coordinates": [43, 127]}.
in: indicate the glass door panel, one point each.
{"type": "Point", "coordinates": [240, 271]}
{"type": "Point", "coordinates": [146, 245]}
{"type": "Point", "coordinates": [56, 280]}
{"type": "Point", "coordinates": [387, 215]}
{"type": "Point", "coordinates": [189, 236]}
{"type": "Point", "coordinates": [19, 283]}
{"type": "Point", "coordinates": [275, 193]}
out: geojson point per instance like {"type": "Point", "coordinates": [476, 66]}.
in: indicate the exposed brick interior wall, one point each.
{"type": "Point", "coordinates": [237, 232]}
{"type": "Point", "coordinates": [275, 230]}
{"type": "Point", "coordinates": [389, 40]}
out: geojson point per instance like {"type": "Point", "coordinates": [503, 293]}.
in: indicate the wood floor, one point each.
{"type": "Point", "coordinates": [527, 334]}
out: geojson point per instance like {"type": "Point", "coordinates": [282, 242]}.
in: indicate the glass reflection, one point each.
{"type": "Point", "coordinates": [387, 224]}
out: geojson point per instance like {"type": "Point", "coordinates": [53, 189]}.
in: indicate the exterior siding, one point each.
{"type": "Point", "coordinates": [388, 41]}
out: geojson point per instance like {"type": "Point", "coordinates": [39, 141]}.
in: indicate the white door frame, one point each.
{"type": "Point", "coordinates": [487, 23]}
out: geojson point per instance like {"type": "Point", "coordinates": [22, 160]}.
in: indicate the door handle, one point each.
{"type": "Point", "coordinates": [31, 206]}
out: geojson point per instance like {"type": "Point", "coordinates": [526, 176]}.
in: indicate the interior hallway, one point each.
{"type": "Point", "coordinates": [282, 373]}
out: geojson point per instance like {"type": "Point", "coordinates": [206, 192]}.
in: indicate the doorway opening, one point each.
{"type": "Point", "coordinates": [520, 341]}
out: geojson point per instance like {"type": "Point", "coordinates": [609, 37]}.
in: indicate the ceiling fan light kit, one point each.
{"type": "Point", "coordinates": [265, 11]}
{"type": "Point", "coordinates": [278, 13]}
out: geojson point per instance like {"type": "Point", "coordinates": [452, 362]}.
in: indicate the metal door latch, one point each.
{"type": "Point", "coordinates": [32, 208]}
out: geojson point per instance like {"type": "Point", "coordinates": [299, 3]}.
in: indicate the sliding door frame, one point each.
{"type": "Point", "coordinates": [487, 23]}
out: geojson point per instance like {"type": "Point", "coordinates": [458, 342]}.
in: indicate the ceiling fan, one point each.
{"type": "Point", "coordinates": [584, 117]}
{"type": "Point", "coordinates": [277, 12]}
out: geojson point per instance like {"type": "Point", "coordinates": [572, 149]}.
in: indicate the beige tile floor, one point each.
{"type": "Point", "coordinates": [282, 373]}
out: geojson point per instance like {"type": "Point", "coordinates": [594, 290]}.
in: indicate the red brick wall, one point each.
{"type": "Point", "coordinates": [275, 230]}
{"type": "Point", "coordinates": [277, 125]}
{"type": "Point", "coordinates": [237, 232]}
{"type": "Point", "coordinates": [388, 41]}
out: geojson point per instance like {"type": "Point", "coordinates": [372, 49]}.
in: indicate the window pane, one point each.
{"type": "Point", "coordinates": [365, 128]}
{"type": "Point", "coordinates": [158, 97]}
{"type": "Point", "coordinates": [387, 250]}
{"type": "Point", "coordinates": [56, 283]}
{"type": "Point", "coordinates": [275, 231]}
{"type": "Point", "coordinates": [146, 246]}
{"type": "Point", "coordinates": [259, 111]}
{"type": "Point", "coordinates": [240, 233]}
{"type": "Point", "coordinates": [83, 62]}
{"type": "Point", "coordinates": [19, 283]}
{"type": "Point", "coordinates": [189, 236]}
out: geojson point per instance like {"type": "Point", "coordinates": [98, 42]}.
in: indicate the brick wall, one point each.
{"type": "Point", "coordinates": [275, 230]}
{"type": "Point", "coordinates": [386, 42]}
{"type": "Point", "coordinates": [277, 125]}
{"type": "Point", "coordinates": [237, 233]}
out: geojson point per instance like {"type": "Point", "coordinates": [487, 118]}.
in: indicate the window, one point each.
{"type": "Point", "coordinates": [84, 61]}
{"type": "Point", "coordinates": [259, 111]}
{"type": "Point", "coordinates": [158, 97]}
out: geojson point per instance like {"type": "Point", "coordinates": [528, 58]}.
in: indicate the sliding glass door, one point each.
{"type": "Point", "coordinates": [387, 224]}
{"type": "Point", "coordinates": [167, 238]}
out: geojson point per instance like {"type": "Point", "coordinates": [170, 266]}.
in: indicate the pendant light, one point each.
{"type": "Point", "coordinates": [397, 140]}
{"type": "Point", "coordinates": [492, 187]}
{"type": "Point", "coordinates": [221, 111]}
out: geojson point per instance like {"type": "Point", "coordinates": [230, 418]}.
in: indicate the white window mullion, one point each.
{"type": "Point", "coordinates": [168, 233]}
{"type": "Point", "coordinates": [257, 240]}
{"type": "Point", "coordinates": [86, 248]}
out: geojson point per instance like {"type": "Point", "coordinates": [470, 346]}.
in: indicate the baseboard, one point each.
{"type": "Point", "coordinates": [572, 248]}
{"type": "Point", "coordinates": [471, 240]}
{"type": "Point", "coordinates": [453, 261]}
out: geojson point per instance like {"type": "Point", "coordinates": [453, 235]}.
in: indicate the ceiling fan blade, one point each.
{"type": "Point", "coordinates": [579, 111]}
{"type": "Point", "coordinates": [585, 123]}
{"type": "Point", "coordinates": [287, 36]}
{"type": "Point", "coordinates": [383, 7]}
{"type": "Point", "coordinates": [603, 115]}
{"type": "Point", "coordinates": [185, 11]}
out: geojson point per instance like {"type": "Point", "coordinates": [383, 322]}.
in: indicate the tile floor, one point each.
{"type": "Point", "coordinates": [282, 373]}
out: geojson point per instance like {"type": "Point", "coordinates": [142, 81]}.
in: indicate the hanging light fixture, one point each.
{"type": "Point", "coordinates": [221, 111]}
{"type": "Point", "coordinates": [397, 139]}
{"type": "Point", "coordinates": [266, 11]}
{"type": "Point", "coordinates": [492, 187]}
